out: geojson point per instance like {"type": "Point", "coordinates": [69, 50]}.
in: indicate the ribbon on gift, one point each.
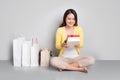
{"type": "Point", "coordinates": [73, 35]}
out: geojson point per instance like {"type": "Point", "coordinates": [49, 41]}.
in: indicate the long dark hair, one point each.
{"type": "Point", "coordinates": [68, 11]}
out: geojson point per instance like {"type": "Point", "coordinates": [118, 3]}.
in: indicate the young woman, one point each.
{"type": "Point", "coordinates": [69, 57]}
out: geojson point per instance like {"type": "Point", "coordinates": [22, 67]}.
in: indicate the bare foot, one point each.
{"type": "Point", "coordinates": [85, 70]}
{"type": "Point", "coordinates": [60, 70]}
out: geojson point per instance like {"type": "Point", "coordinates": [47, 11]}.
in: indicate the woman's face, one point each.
{"type": "Point", "coordinates": [70, 20]}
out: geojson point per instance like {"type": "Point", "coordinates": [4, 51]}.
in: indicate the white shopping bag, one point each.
{"type": "Point", "coordinates": [34, 53]}
{"type": "Point", "coordinates": [17, 51]}
{"type": "Point", "coordinates": [44, 57]}
{"type": "Point", "coordinates": [26, 50]}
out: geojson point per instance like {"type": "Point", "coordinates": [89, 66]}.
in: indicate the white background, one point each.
{"type": "Point", "coordinates": [100, 20]}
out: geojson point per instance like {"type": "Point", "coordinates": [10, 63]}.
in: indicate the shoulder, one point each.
{"type": "Point", "coordinates": [60, 29]}
{"type": "Point", "coordinates": [78, 28]}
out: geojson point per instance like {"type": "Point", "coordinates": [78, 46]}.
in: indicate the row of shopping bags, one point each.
{"type": "Point", "coordinates": [29, 54]}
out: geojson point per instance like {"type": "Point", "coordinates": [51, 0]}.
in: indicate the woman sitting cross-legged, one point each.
{"type": "Point", "coordinates": [69, 58]}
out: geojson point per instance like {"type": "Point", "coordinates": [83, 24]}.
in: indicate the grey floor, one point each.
{"type": "Point", "coordinates": [102, 70]}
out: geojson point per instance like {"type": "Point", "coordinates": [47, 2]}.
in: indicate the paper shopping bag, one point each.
{"type": "Point", "coordinates": [17, 51]}
{"type": "Point", "coordinates": [34, 53]}
{"type": "Point", "coordinates": [26, 50]}
{"type": "Point", "coordinates": [44, 57]}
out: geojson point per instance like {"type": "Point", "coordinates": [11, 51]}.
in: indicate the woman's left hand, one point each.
{"type": "Point", "coordinates": [77, 46]}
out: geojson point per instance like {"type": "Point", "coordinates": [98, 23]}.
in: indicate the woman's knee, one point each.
{"type": "Point", "coordinates": [54, 61]}
{"type": "Point", "coordinates": [58, 62]}
{"type": "Point", "coordinates": [91, 60]}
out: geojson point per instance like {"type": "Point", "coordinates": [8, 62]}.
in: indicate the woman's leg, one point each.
{"type": "Point", "coordinates": [75, 64]}
{"type": "Point", "coordinates": [65, 64]}
{"type": "Point", "coordinates": [58, 62]}
{"type": "Point", "coordinates": [85, 61]}
{"type": "Point", "coordinates": [74, 68]}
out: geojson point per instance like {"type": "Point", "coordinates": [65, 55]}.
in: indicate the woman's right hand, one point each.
{"type": "Point", "coordinates": [65, 45]}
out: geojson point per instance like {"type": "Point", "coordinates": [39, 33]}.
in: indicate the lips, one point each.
{"type": "Point", "coordinates": [71, 24]}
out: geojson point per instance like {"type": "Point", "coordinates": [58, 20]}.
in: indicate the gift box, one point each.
{"type": "Point", "coordinates": [17, 51]}
{"type": "Point", "coordinates": [73, 40]}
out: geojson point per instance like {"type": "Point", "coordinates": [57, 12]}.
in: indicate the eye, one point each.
{"type": "Point", "coordinates": [71, 18]}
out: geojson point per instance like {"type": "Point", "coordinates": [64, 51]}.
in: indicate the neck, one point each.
{"type": "Point", "coordinates": [69, 27]}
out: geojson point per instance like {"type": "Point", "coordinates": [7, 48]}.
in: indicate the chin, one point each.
{"type": "Point", "coordinates": [71, 25]}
